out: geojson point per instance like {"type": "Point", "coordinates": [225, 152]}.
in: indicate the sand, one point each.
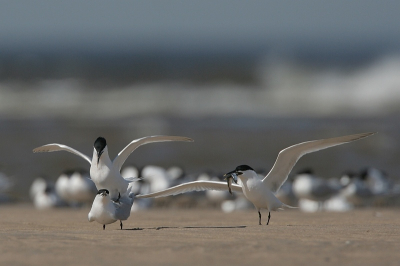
{"type": "Point", "coordinates": [199, 237]}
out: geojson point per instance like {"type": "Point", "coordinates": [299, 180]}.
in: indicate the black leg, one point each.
{"type": "Point", "coordinates": [104, 227]}
{"type": "Point", "coordinates": [269, 217]}
{"type": "Point", "coordinates": [259, 215]}
{"type": "Point", "coordinates": [120, 224]}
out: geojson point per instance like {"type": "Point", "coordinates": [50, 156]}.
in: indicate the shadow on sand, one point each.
{"type": "Point", "coordinates": [187, 227]}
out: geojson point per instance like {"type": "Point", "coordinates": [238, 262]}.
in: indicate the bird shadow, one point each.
{"type": "Point", "coordinates": [186, 227]}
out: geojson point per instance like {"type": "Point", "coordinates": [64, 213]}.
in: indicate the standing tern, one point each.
{"type": "Point", "coordinates": [310, 187]}
{"type": "Point", "coordinates": [75, 187]}
{"type": "Point", "coordinates": [261, 192]}
{"type": "Point", "coordinates": [104, 172]}
{"type": "Point", "coordinates": [44, 195]}
{"type": "Point", "coordinates": [81, 188]}
{"type": "Point", "coordinates": [62, 186]}
{"type": "Point", "coordinates": [106, 211]}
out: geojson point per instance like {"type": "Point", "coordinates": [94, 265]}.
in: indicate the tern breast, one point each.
{"type": "Point", "coordinates": [102, 210]}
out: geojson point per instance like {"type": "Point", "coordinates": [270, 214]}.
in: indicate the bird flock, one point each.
{"type": "Point", "coordinates": [115, 191]}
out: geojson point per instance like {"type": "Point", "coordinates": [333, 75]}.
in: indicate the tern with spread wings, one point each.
{"type": "Point", "coordinates": [104, 172]}
{"type": "Point", "coordinates": [261, 191]}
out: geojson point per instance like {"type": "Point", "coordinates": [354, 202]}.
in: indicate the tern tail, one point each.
{"type": "Point", "coordinates": [286, 206]}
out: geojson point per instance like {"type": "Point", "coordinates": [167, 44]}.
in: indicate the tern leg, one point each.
{"type": "Point", "coordinates": [120, 224]}
{"type": "Point", "coordinates": [269, 217]}
{"type": "Point", "coordinates": [104, 227]}
{"type": "Point", "coordinates": [259, 218]}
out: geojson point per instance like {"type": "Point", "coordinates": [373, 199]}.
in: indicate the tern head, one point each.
{"type": "Point", "coordinates": [103, 192]}
{"type": "Point", "coordinates": [237, 172]}
{"type": "Point", "coordinates": [100, 144]}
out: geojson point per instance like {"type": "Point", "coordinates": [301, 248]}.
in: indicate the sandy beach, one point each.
{"type": "Point", "coordinates": [199, 237]}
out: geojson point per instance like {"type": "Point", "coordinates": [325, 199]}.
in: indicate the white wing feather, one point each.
{"type": "Point", "coordinates": [123, 155]}
{"type": "Point", "coordinates": [132, 179]}
{"type": "Point", "coordinates": [192, 186]}
{"type": "Point", "coordinates": [288, 157]}
{"type": "Point", "coordinates": [60, 147]}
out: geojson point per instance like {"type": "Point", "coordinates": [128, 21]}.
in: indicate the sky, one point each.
{"type": "Point", "coordinates": [190, 24]}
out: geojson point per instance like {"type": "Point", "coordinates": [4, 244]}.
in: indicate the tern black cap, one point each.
{"type": "Point", "coordinates": [243, 167]}
{"type": "Point", "coordinates": [100, 144]}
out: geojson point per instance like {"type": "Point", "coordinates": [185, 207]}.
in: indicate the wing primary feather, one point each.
{"type": "Point", "coordinates": [192, 186]}
{"type": "Point", "coordinates": [61, 147]}
{"type": "Point", "coordinates": [288, 157]}
{"type": "Point", "coordinates": [125, 152]}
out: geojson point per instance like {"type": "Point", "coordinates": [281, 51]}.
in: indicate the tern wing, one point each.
{"type": "Point", "coordinates": [192, 186]}
{"type": "Point", "coordinates": [123, 155]}
{"type": "Point", "coordinates": [123, 208]}
{"type": "Point", "coordinates": [132, 179]}
{"type": "Point", "coordinates": [288, 157]}
{"type": "Point", "coordinates": [60, 147]}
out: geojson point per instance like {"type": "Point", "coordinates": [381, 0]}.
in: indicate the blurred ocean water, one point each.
{"type": "Point", "coordinates": [277, 89]}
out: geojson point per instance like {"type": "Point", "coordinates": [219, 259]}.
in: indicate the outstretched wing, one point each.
{"type": "Point", "coordinates": [123, 155]}
{"type": "Point", "coordinates": [132, 179]}
{"type": "Point", "coordinates": [192, 186]}
{"type": "Point", "coordinates": [288, 157]}
{"type": "Point", "coordinates": [60, 147]}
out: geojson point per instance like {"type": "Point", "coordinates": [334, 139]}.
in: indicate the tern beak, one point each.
{"type": "Point", "coordinates": [99, 155]}
{"type": "Point", "coordinates": [229, 177]}
{"type": "Point", "coordinates": [229, 173]}
{"type": "Point", "coordinates": [232, 174]}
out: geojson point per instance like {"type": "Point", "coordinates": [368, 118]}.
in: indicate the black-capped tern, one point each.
{"type": "Point", "coordinates": [44, 195]}
{"type": "Point", "coordinates": [104, 172]}
{"type": "Point", "coordinates": [106, 211]}
{"type": "Point", "coordinates": [261, 191]}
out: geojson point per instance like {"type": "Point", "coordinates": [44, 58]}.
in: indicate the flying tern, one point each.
{"type": "Point", "coordinates": [106, 211]}
{"type": "Point", "coordinates": [261, 191]}
{"type": "Point", "coordinates": [104, 172]}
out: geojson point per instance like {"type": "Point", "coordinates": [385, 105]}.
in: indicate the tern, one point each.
{"type": "Point", "coordinates": [106, 211]}
{"type": "Point", "coordinates": [308, 186]}
{"type": "Point", "coordinates": [104, 172]}
{"type": "Point", "coordinates": [261, 191]}
{"type": "Point", "coordinates": [356, 189]}
{"type": "Point", "coordinates": [81, 188]}
{"type": "Point", "coordinates": [75, 187]}
{"type": "Point", "coordinates": [44, 195]}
